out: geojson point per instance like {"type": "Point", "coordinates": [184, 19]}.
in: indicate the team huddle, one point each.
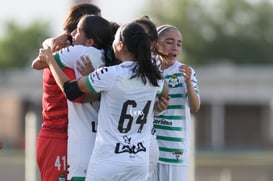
{"type": "Point", "coordinates": [116, 101]}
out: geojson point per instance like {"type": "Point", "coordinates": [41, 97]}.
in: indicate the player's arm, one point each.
{"type": "Point", "coordinates": [58, 42]}
{"type": "Point", "coordinates": [39, 64]}
{"type": "Point", "coordinates": [72, 88]}
{"type": "Point", "coordinates": [55, 44]}
{"type": "Point", "coordinates": [85, 67]}
{"type": "Point", "coordinates": [163, 100]}
{"type": "Point", "coordinates": [165, 92]}
{"type": "Point", "coordinates": [194, 99]}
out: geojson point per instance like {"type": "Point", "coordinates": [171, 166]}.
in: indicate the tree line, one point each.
{"type": "Point", "coordinates": [233, 31]}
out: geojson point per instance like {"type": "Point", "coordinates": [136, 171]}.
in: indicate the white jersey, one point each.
{"type": "Point", "coordinates": [82, 117]}
{"type": "Point", "coordinates": [174, 125]}
{"type": "Point", "coordinates": [125, 116]}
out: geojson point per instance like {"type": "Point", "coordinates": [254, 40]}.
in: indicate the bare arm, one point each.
{"type": "Point", "coordinates": [194, 100]}
{"type": "Point", "coordinates": [58, 42]}
{"type": "Point", "coordinates": [39, 64]}
{"type": "Point", "coordinates": [55, 44]}
{"type": "Point", "coordinates": [60, 76]}
{"type": "Point", "coordinates": [163, 100]}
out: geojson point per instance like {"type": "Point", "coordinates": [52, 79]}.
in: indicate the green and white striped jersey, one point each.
{"type": "Point", "coordinates": [174, 125]}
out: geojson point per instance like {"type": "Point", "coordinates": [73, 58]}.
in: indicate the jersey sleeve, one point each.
{"type": "Point", "coordinates": [101, 79]}
{"type": "Point", "coordinates": [71, 75]}
{"type": "Point", "coordinates": [96, 57]}
{"type": "Point", "coordinates": [67, 57]}
{"type": "Point", "coordinates": [194, 81]}
{"type": "Point", "coordinates": [160, 88]}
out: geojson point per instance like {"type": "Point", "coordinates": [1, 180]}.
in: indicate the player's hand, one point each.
{"type": "Point", "coordinates": [161, 104]}
{"type": "Point", "coordinates": [59, 42]}
{"type": "Point", "coordinates": [84, 65]}
{"type": "Point", "coordinates": [186, 70]}
{"type": "Point", "coordinates": [45, 54]}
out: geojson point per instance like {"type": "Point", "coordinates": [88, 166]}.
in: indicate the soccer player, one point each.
{"type": "Point", "coordinates": [128, 92]}
{"type": "Point", "coordinates": [51, 145]}
{"type": "Point", "coordinates": [92, 39]}
{"type": "Point", "coordinates": [173, 127]}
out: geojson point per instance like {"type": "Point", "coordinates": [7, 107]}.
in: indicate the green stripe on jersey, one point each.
{"type": "Point", "coordinates": [58, 60]}
{"type": "Point", "coordinates": [78, 178]}
{"type": "Point", "coordinates": [171, 150]}
{"type": "Point", "coordinates": [170, 76]}
{"type": "Point", "coordinates": [170, 160]}
{"type": "Point", "coordinates": [171, 117]}
{"type": "Point", "coordinates": [169, 138]}
{"type": "Point", "coordinates": [89, 85]}
{"type": "Point", "coordinates": [177, 95]}
{"type": "Point", "coordinates": [176, 107]}
{"type": "Point", "coordinates": [178, 85]}
{"type": "Point", "coordinates": [168, 128]}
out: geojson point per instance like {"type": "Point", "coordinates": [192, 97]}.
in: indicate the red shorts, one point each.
{"type": "Point", "coordinates": [51, 154]}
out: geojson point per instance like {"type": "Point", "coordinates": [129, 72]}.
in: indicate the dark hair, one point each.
{"type": "Point", "coordinates": [76, 12]}
{"type": "Point", "coordinates": [138, 44]}
{"type": "Point", "coordinates": [101, 31]}
{"type": "Point", "coordinates": [152, 32]}
{"type": "Point", "coordinates": [150, 27]}
{"type": "Point", "coordinates": [110, 55]}
{"type": "Point", "coordinates": [115, 26]}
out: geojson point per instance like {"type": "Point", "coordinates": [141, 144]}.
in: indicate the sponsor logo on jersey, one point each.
{"type": "Point", "coordinates": [163, 122]}
{"type": "Point", "coordinates": [127, 147]}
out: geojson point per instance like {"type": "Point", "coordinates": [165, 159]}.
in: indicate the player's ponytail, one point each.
{"type": "Point", "coordinates": [110, 58]}
{"type": "Point", "coordinates": [138, 44]}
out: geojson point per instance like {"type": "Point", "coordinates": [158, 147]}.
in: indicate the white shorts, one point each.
{"type": "Point", "coordinates": [105, 171]}
{"type": "Point", "coordinates": [153, 156]}
{"type": "Point", "coordinates": [78, 155]}
{"type": "Point", "coordinates": [165, 172]}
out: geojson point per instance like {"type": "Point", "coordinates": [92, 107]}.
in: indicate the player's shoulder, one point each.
{"type": "Point", "coordinates": [179, 63]}
{"type": "Point", "coordinates": [108, 71]}
{"type": "Point", "coordinates": [94, 52]}
{"type": "Point", "coordinates": [72, 49]}
{"type": "Point", "coordinates": [104, 74]}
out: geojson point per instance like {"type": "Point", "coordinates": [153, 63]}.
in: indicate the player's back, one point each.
{"type": "Point", "coordinates": [125, 116]}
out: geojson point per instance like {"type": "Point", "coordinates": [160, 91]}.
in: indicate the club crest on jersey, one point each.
{"type": "Point", "coordinates": [127, 147]}
{"type": "Point", "coordinates": [173, 81]}
{"type": "Point", "coordinates": [61, 177]}
{"type": "Point", "coordinates": [177, 154]}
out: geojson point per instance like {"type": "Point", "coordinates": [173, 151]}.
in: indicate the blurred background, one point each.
{"type": "Point", "coordinates": [229, 43]}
